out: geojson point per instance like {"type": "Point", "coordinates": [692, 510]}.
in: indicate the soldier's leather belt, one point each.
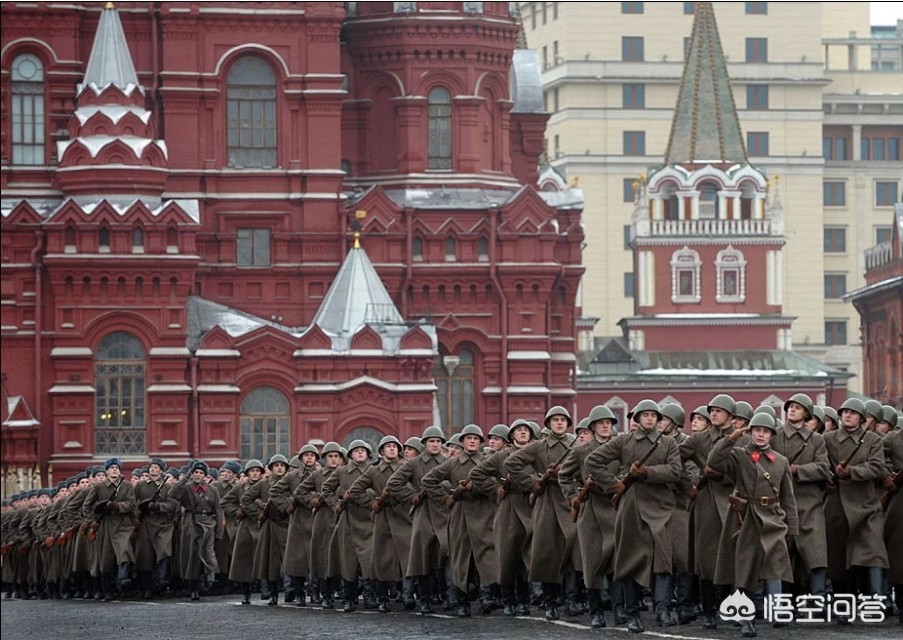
{"type": "Point", "coordinates": [767, 501]}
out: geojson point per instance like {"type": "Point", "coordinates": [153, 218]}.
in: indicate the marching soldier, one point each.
{"type": "Point", "coordinates": [642, 536]}
{"type": "Point", "coordinates": [228, 476]}
{"type": "Point", "coordinates": [242, 568]}
{"type": "Point", "coordinates": [153, 545]}
{"type": "Point", "coordinates": [273, 523]}
{"type": "Point", "coordinates": [412, 448]}
{"type": "Point", "coordinates": [892, 502]}
{"type": "Point", "coordinates": [591, 500]}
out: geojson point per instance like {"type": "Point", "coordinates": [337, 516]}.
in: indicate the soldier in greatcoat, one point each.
{"type": "Point", "coordinates": [391, 538]}
{"type": "Point", "coordinates": [429, 528]}
{"type": "Point", "coordinates": [87, 585]}
{"type": "Point", "coordinates": [228, 476]}
{"type": "Point", "coordinates": [554, 552]}
{"type": "Point", "coordinates": [273, 522]}
{"type": "Point", "coordinates": [892, 501]}
{"type": "Point", "coordinates": [112, 504]}
{"type": "Point", "coordinates": [709, 504]}
{"type": "Point", "coordinates": [310, 494]}
{"type": "Point", "coordinates": [596, 516]}
{"type": "Point", "coordinates": [853, 516]}
{"type": "Point", "coordinates": [350, 546]}
{"type": "Point", "coordinates": [807, 455]}
{"type": "Point", "coordinates": [242, 568]}
{"type": "Point", "coordinates": [153, 545]}
{"type": "Point", "coordinates": [512, 526]}
{"type": "Point", "coordinates": [642, 536]}
{"type": "Point", "coordinates": [469, 522]}
{"type": "Point", "coordinates": [202, 523]}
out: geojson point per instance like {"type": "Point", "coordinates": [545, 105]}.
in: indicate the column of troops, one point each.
{"type": "Point", "coordinates": [674, 508]}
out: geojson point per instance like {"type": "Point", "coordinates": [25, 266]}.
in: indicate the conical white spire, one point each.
{"type": "Point", "coordinates": [110, 61]}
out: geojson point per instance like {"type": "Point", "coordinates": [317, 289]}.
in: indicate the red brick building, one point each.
{"type": "Point", "coordinates": [182, 184]}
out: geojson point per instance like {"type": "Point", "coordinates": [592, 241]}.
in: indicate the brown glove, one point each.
{"type": "Point", "coordinates": [842, 471]}
{"type": "Point", "coordinates": [618, 488]}
{"type": "Point", "coordinates": [888, 483]}
{"type": "Point", "coordinates": [290, 509]}
{"type": "Point", "coordinates": [638, 472]}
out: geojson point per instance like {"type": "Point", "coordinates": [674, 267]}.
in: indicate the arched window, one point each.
{"type": "Point", "coordinates": [370, 435]}
{"type": "Point", "coordinates": [685, 276]}
{"type": "Point", "coordinates": [708, 200]}
{"type": "Point", "coordinates": [730, 267]}
{"type": "Point", "coordinates": [453, 375]}
{"type": "Point", "coordinates": [251, 108]}
{"type": "Point", "coordinates": [439, 115]}
{"type": "Point", "coordinates": [264, 424]}
{"type": "Point", "coordinates": [120, 399]}
{"type": "Point", "coordinates": [620, 408]}
{"type": "Point", "coordinates": [451, 253]}
{"type": "Point", "coordinates": [417, 248]}
{"type": "Point", "coordinates": [483, 249]}
{"type": "Point", "coordinates": [172, 239]}
{"type": "Point", "coordinates": [27, 90]}
{"type": "Point", "coordinates": [138, 240]}
{"type": "Point", "coordinates": [69, 239]}
{"type": "Point", "coordinates": [103, 239]}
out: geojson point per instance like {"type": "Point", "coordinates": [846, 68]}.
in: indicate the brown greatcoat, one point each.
{"type": "Point", "coordinates": [296, 554]}
{"type": "Point", "coordinates": [554, 550]}
{"type": "Point", "coordinates": [755, 549]}
{"type": "Point", "coordinates": [113, 545]}
{"type": "Point", "coordinates": [429, 528]}
{"type": "Point", "coordinates": [470, 520]}
{"type": "Point", "coordinates": [202, 523]}
{"type": "Point", "coordinates": [893, 517]}
{"type": "Point", "coordinates": [680, 519]}
{"type": "Point", "coordinates": [323, 520]}
{"type": "Point", "coordinates": [391, 526]}
{"type": "Point", "coordinates": [512, 527]}
{"type": "Point", "coordinates": [223, 546]}
{"type": "Point", "coordinates": [242, 567]}
{"type": "Point", "coordinates": [82, 548]}
{"type": "Point", "coordinates": [642, 535]}
{"type": "Point", "coordinates": [806, 450]}
{"type": "Point", "coordinates": [351, 543]}
{"type": "Point", "coordinates": [596, 522]}
{"type": "Point", "coordinates": [853, 516]}
{"type": "Point", "coordinates": [273, 529]}
{"type": "Point", "coordinates": [711, 506]}
{"type": "Point", "coordinates": [154, 542]}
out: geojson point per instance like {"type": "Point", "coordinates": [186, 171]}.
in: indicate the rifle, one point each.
{"type": "Point", "coordinates": [629, 479]}
{"type": "Point", "coordinates": [888, 493]}
{"type": "Point", "coordinates": [379, 504]}
{"type": "Point", "coordinates": [144, 505]}
{"type": "Point", "coordinates": [504, 487]}
{"type": "Point", "coordinates": [831, 478]}
{"type": "Point", "coordinates": [416, 502]}
{"type": "Point", "coordinates": [317, 502]}
{"type": "Point", "coordinates": [582, 495]}
{"type": "Point", "coordinates": [463, 487]}
{"type": "Point", "coordinates": [540, 485]}
{"type": "Point", "coordinates": [264, 512]}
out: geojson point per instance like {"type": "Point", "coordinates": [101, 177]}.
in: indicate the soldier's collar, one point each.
{"type": "Point", "coordinates": [844, 434]}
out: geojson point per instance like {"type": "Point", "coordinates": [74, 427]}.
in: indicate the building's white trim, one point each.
{"type": "Point", "coordinates": [168, 388]}
{"type": "Point", "coordinates": [169, 351]}
{"type": "Point", "coordinates": [218, 353]}
{"type": "Point", "coordinates": [71, 352]}
{"type": "Point", "coordinates": [403, 387]}
{"type": "Point", "coordinates": [72, 388]}
{"type": "Point", "coordinates": [218, 388]}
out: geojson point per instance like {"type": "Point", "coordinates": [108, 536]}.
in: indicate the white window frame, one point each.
{"type": "Point", "coordinates": [682, 259]}
{"type": "Point", "coordinates": [730, 259]}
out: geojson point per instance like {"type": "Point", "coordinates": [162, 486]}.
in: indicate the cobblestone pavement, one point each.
{"type": "Point", "coordinates": [222, 616]}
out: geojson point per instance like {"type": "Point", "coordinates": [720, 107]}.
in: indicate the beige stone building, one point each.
{"type": "Point", "coordinates": [817, 119]}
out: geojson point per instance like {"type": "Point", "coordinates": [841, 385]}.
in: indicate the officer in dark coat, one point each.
{"type": "Point", "coordinates": [156, 511]}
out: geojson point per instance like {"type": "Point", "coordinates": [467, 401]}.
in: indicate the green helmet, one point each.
{"type": "Point", "coordinates": [432, 432]}
{"type": "Point", "coordinates": [473, 430]}
{"type": "Point", "coordinates": [520, 422]}
{"type": "Point", "coordinates": [702, 411]}
{"type": "Point", "coordinates": [333, 447]}
{"type": "Point", "coordinates": [501, 431]}
{"type": "Point", "coordinates": [831, 412]}
{"type": "Point", "coordinates": [601, 412]}
{"type": "Point", "coordinates": [544, 431]}
{"type": "Point", "coordinates": [723, 401]}
{"type": "Point", "coordinates": [557, 410]}
{"type": "Point", "coordinates": [763, 420]}
{"type": "Point", "coordinates": [455, 441]}
{"type": "Point", "coordinates": [277, 457]}
{"type": "Point", "coordinates": [647, 405]}
{"type": "Point", "coordinates": [766, 409]}
{"type": "Point", "coordinates": [344, 452]}
{"type": "Point", "coordinates": [308, 448]}
{"type": "Point", "coordinates": [414, 443]}
{"type": "Point", "coordinates": [253, 464]}
{"type": "Point", "coordinates": [360, 444]}
{"type": "Point", "coordinates": [819, 414]}
{"type": "Point", "coordinates": [582, 425]}
{"type": "Point", "coordinates": [854, 404]}
{"type": "Point", "coordinates": [294, 462]}
{"type": "Point", "coordinates": [803, 400]}
{"type": "Point", "coordinates": [675, 412]}
{"type": "Point", "coordinates": [890, 415]}
{"type": "Point", "coordinates": [875, 409]}
{"type": "Point", "coordinates": [387, 440]}
{"type": "Point", "coordinates": [743, 410]}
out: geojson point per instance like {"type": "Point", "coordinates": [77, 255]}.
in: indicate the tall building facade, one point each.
{"type": "Point", "coordinates": [822, 124]}
{"type": "Point", "coordinates": [231, 228]}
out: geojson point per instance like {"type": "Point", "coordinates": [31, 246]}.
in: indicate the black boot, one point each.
{"type": "Point", "coordinates": [451, 591]}
{"type": "Point", "coordinates": [686, 602]}
{"type": "Point", "coordinates": [487, 602]}
{"type": "Point", "coordinates": [619, 602]}
{"type": "Point", "coordinates": [300, 593]}
{"type": "Point", "coordinates": [350, 591]}
{"type": "Point", "coordinates": [382, 596]}
{"type": "Point", "coordinates": [594, 598]}
{"type": "Point", "coordinates": [707, 595]}
{"type": "Point", "coordinates": [246, 593]}
{"type": "Point", "coordinates": [370, 600]}
{"type": "Point", "coordinates": [274, 593]}
{"type": "Point", "coordinates": [425, 593]}
{"type": "Point", "coordinates": [632, 597]}
{"type": "Point", "coordinates": [407, 594]}
{"type": "Point", "coordinates": [327, 592]}
{"type": "Point", "coordinates": [195, 591]}
{"type": "Point", "coordinates": [123, 580]}
{"type": "Point", "coordinates": [463, 604]}
{"type": "Point", "coordinates": [550, 600]}
{"type": "Point", "coordinates": [747, 628]}
{"type": "Point", "coordinates": [571, 595]}
{"type": "Point", "coordinates": [661, 597]}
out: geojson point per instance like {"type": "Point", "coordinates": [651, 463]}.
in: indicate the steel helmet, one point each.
{"type": "Point", "coordinates": [875, 409]}
{"type": "Point", "coordinates": [854, 404]}
{"type": "Point", "coordinates": [501, 431]}
{"type": "Point", "coordinates": [647, 405]}
{"type": "Point", "coordinates": [675, 412]}
{"type": "Point", "coordinates": [601, 412]}
{"type": "Point", "coordinates": [387, 440]}
{"type": "Point", "coordinates": [801, 399]}
{"type": "Point", "coordinates": [583, 425]}
{"type": "Point", "coordinates": [473, 430]}
{"type": "Point", "coordinates": [763, 420]}
{"type": "Point", "coordinates": [557, 410]}
{"type": "Point", "coordinates": [414, 443]}
{"type": "Point", "coordinates": [534, 428]}
{"type": "Point", "coordinates": [362, 444]}
{"type": "Point", "coordinates": [277, 457]}
{"type": "Point", "coordinates": [432, 432]}
{"type": "Point", "coordinates": [743, 410]}
{"type": "Point", "coordinates": [723, 401]}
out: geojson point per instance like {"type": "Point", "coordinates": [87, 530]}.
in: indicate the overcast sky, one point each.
{"type": "Point", "coordinates": [886, 12]}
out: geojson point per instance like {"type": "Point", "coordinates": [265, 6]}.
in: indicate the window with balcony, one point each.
{"type": "Point", "coordinates": [634, 95]}
{"type": "Point", "coordinates": [632, 49]}
{"type": "Point", "coordinates": [251, 114]}
{"type": "Point", "coordinates": [27, 102]}
{"type": "Point", "coordinates": [730, 267]}
{"type": "Point", "coordinates": [835, 285]}
{"type": "Point", "coordinates": [880, 149]}
{"type": "Point", "coordinates": [756, 8]}
{"type": "Point", "coordinates": [757, 143]}
{"type": "Point", "coordinates": [757, 50]}
{"type": "Point", "coordinates": [835, 148]}
{"type": "Point", "coordinates": [631, 7]}
{"type": "Point", "coordinates": [757, 97]}
{"type": "Point", "coordinates": [634, 143]}
{"type": "Point", "coordinates": [685, 276]}
{"type": "Point", "coordinates": [835, 240]}
{"type": "Point", "coordinates": [834, 194]}
{"type": "Point", "coordinates": [253, 248]}
{"type": "Point", "coordinates": [886, 194]}
{"type": "Point", "coordinates": [835, 332]}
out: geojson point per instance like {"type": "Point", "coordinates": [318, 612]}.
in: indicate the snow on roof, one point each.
{"type": "Point", "coordinates": [95, 144]}
{"type": "Point", "coordinates": [451, 197]}
{"type": "Point", "coordinates": [730, 372]}
{"type": "Point", "coordinates": [114, 112]}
